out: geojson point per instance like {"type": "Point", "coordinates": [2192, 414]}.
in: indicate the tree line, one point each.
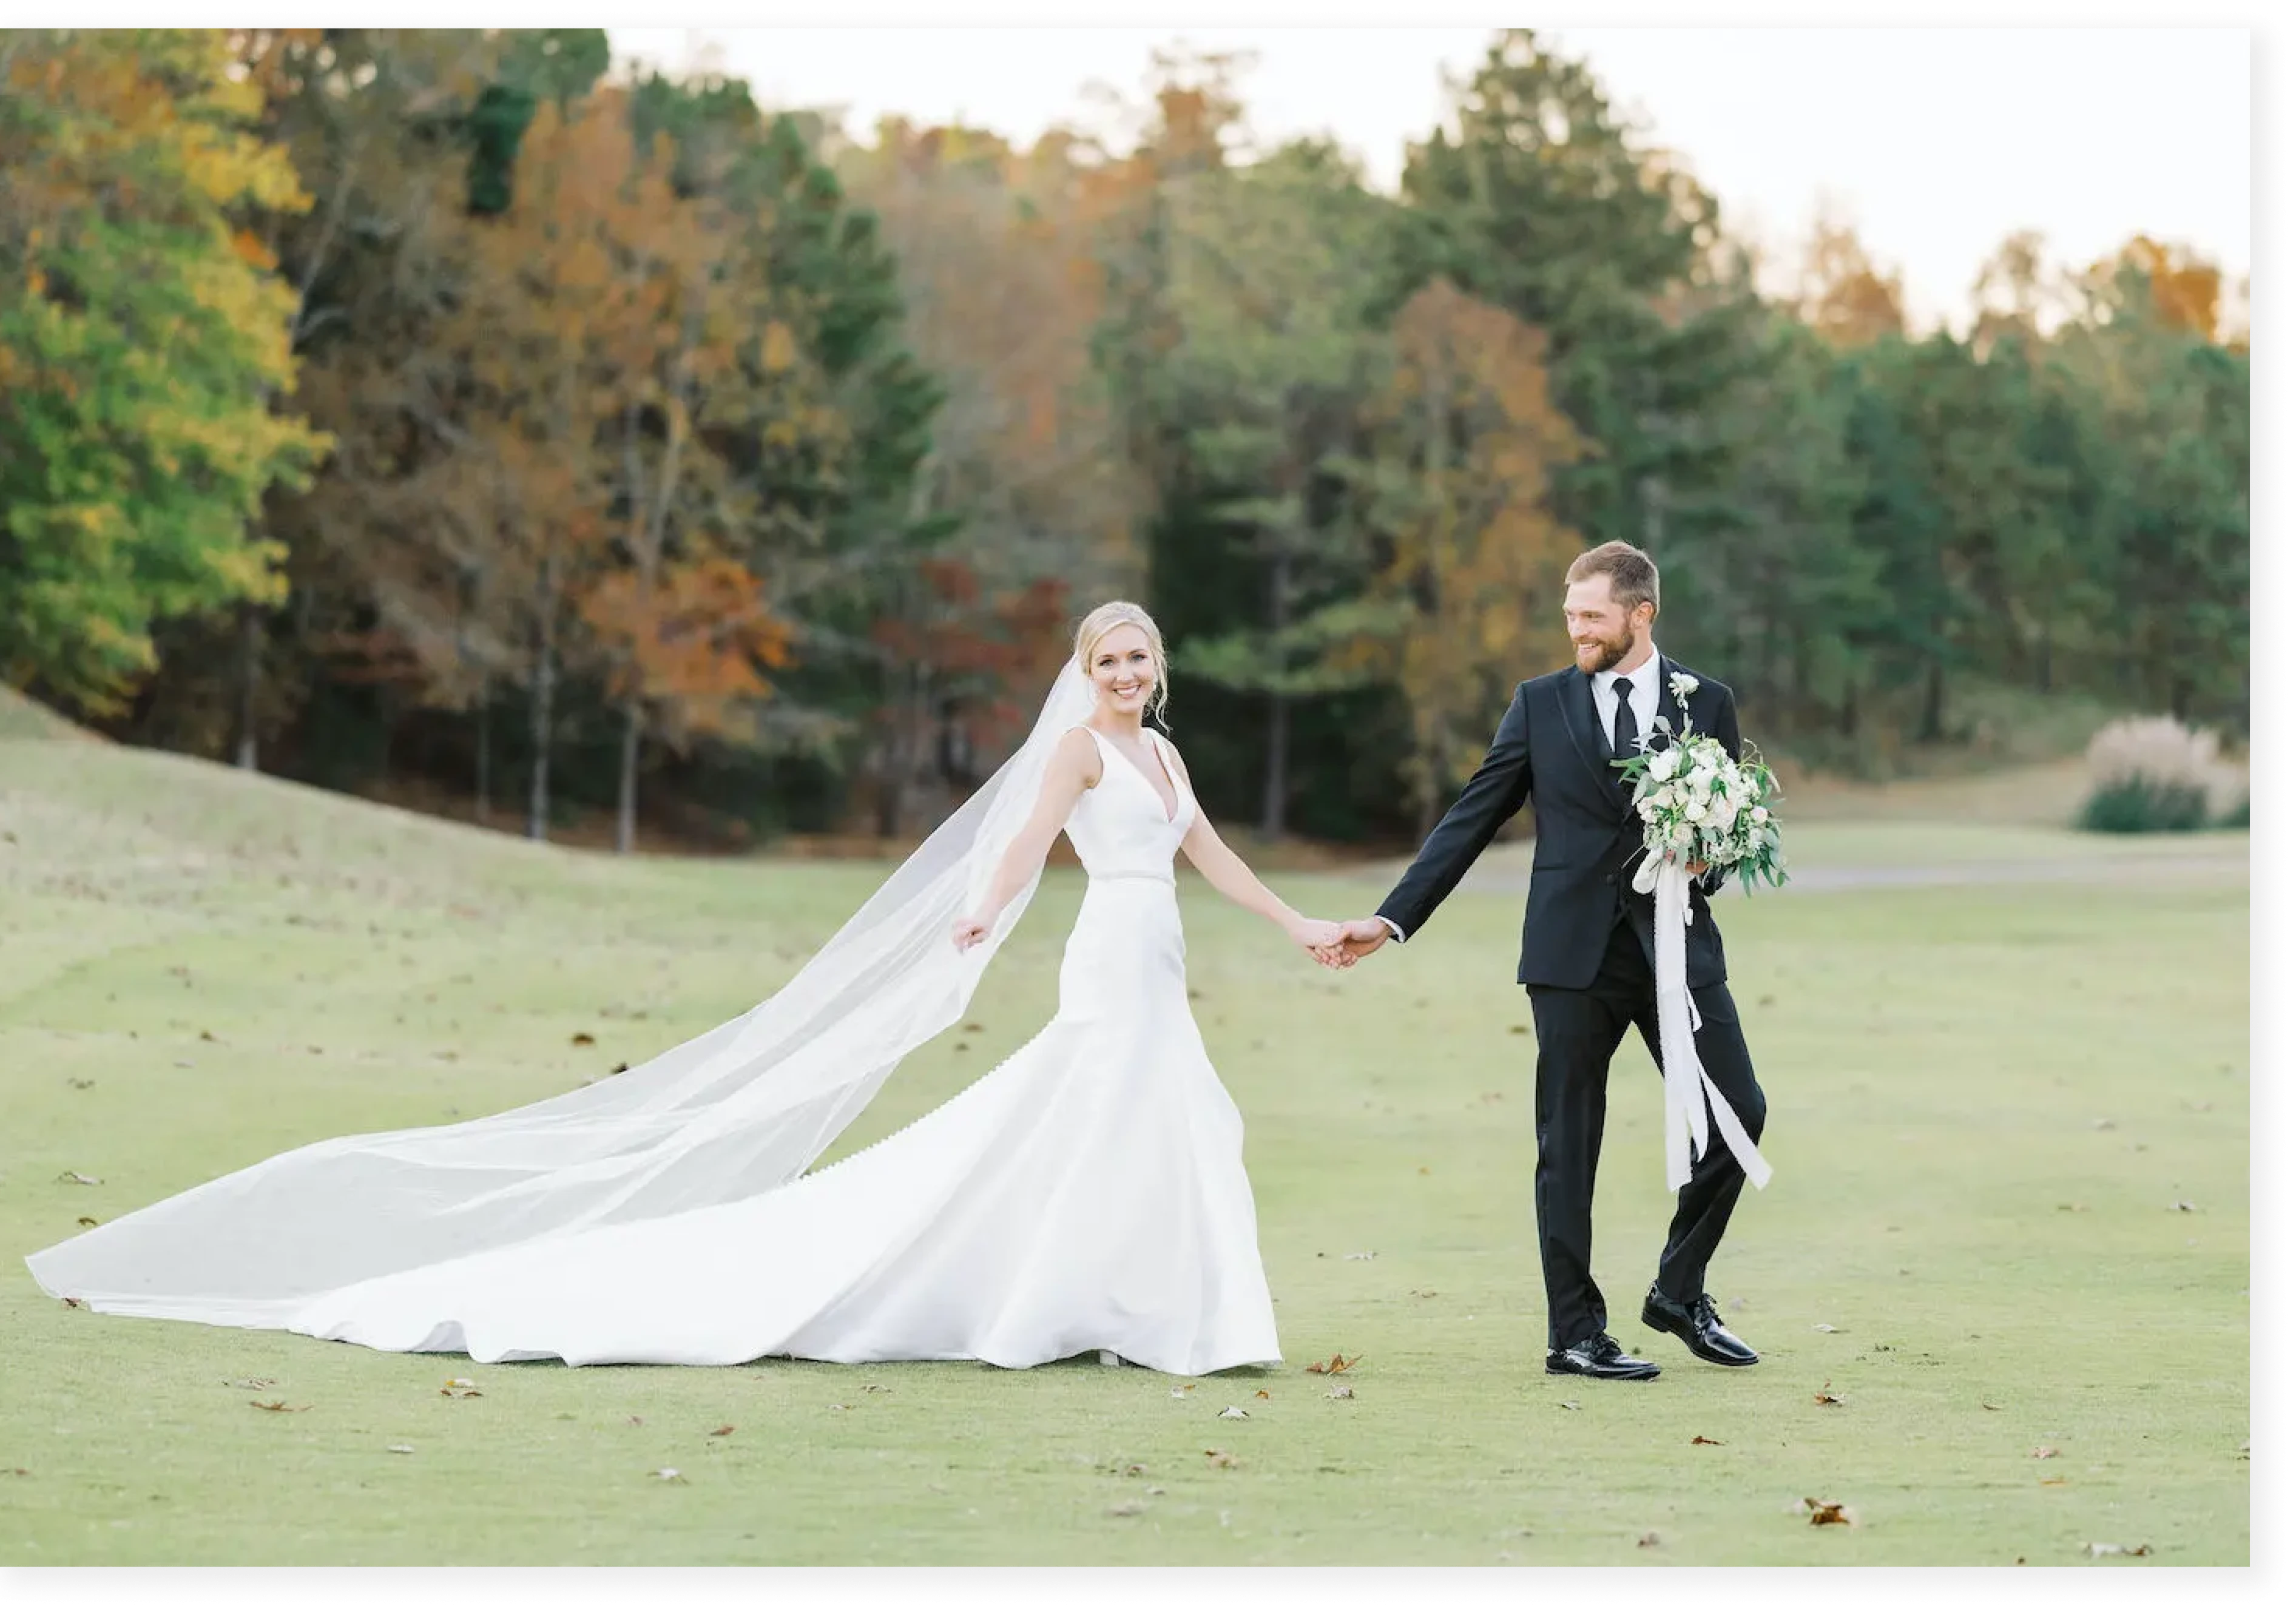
{"type": "Point", "coordinates": [440, 406]}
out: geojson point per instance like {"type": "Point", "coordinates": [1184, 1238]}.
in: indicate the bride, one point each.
{"type": "Point", "coordinates": [1088, 1194]}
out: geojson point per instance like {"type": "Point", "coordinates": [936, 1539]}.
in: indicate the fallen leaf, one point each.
{"type": "Point", "coordinates": [2045, 1453]}
{"type": "Point", "coordinates": [2182, 1206]}
{"type": "Point", "coordinates": [1221, 1458]}
{"type": "Point", "coordinates": [1648, 1542]}
{"type": "Point", "coordinates": [255, 1382]}
{"type": "Point", "coordinates": [619, 1068]}
{"type": "Point", "coordinates": [78, 1084]}
{"type": "Point", "coordinates": [583, 1038]}
{"type": "Point", "coordinates": [74, 1303]}
{"type": "Point", "coordinates": [20, 1471]}
{"type": "Point", "coordinates": [1261, 1395]}
{"type": "Point", "coordinates": [2053, 1483]}
{"type": "Point", "coordinates": [74, 1178]}
{"type": "Point", "coordinates": [1983, 1406]}
{"type": "Point", "coordinates": [1825, 1512]}
{"type": "Point", "coordinates": [1422, 1293]}
{"type": "Point", "coordinates": [1341, 1391]}
{"type": "Point", "coordinates": [1334, 1366]}
{"type": "Point", "coordinates": [870, 1387]}
{"type": "Point", "coordinates": [208, 1036]}
{"type": "Point", "coordinates": [1825, 1396]}
{"type": "Point", "coordinates": [1701, 1438]}
{"type": "Point", "coordinates": [668, 1475]}
{"type": "Point", "coordinates": [460, 1382]}
{"type": "Point", "coordinates": [1568, 1404]}
{"type": "Point", "coordinates": [1235, 1413]}
{"type": "Point", "coordinates": [459, 1394]}
{"type": "Point", "coordinates": [721, 1432]}
{"type": "Point", "coordinates": [400, 1449]}
{"type": "Point", "coordinates": [1822, 1327]}
{"type": "Point", "coordinates": [276, 1404]}
{"type": "Point", "coordinates": [1182, 1392]}
{"type": "Point", "coordinates": [1136, 1470]}
{"type": "Point", "coordinates": [637, 1421]}
{"type": "Point", "coordinates": [973, 1029]}
{"type": "Point", "coordinates": [841, 1407]}
{"type": "Point", "coordinates": [2096, 1550]}
{"type": "Point", "coordinates": [89, 1220]}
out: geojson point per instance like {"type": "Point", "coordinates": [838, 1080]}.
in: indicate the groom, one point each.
{"type": "Point", "coordinates": [1587, 947]}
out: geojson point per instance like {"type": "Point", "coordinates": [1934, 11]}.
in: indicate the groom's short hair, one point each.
{"type": "Point", "coordinates": [1634, 577]}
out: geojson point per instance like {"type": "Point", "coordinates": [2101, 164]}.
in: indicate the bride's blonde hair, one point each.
{"type": "Point", "coordinates": [1106, 619]}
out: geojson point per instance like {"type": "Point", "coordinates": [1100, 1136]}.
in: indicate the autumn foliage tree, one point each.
{"type": "Point", "coordinates": [141, 337]}
{"type": "Point", "coordinates": [1470, 438]}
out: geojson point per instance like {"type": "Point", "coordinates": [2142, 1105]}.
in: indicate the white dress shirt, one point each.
{"type": "Point", "coordinates": [1640, 688]}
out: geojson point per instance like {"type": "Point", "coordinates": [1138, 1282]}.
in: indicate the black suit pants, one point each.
{"type": "Point", "coordinates": [1578, 1033]}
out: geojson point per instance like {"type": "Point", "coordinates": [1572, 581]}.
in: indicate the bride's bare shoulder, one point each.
{"type": "Point", "coordinates": [1078, 755]}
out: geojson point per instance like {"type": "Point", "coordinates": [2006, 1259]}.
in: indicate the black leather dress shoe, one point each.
{"type": "Point", "coordinates": [1599, 1356]}
{"type": "Point", "coordinates": [1697, 1326]}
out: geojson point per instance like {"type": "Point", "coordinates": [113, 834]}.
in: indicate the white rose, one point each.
{"type": "Point", "coordinates": [1761, 814]}
{"type": "Point", "coordinates": [1665, 764]}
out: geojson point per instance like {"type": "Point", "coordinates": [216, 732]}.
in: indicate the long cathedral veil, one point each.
{"type": "Point", "coordinates": [735, 1111]}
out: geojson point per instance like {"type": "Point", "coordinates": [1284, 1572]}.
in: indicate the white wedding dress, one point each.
{"type": "Point", "coordinates": [1088, 1194]}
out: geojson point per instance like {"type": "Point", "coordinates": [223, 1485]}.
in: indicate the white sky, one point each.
{"type": "Point", "coordinates": [1939, 142]}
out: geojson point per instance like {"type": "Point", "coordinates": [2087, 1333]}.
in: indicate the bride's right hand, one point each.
{"type": "Point", "coordinates": [969, 933]}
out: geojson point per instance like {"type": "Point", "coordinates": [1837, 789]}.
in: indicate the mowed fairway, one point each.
{"type": "Point", "coordinates": [2008, 1238]}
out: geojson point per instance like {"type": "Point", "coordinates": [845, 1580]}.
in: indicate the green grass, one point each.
{"type": "Point", "coordinates": [1984, 1103]}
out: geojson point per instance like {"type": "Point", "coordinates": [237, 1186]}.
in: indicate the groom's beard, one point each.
{"type": "Point", "coordinates": [1603, 653]}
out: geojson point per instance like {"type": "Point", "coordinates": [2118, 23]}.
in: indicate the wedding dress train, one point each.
{"type": "Point", "coordinates": [1088, 1194]}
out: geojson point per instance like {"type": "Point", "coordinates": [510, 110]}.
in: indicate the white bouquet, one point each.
{"type": "Point", "coordinates": [1698, 803]}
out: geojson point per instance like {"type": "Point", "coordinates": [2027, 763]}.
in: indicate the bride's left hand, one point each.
{"type": "Point", "coordinates": [1321, 939]}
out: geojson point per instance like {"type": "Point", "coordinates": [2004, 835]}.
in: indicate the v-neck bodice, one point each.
{"type": "Point", "coordinates": [1119, 826]}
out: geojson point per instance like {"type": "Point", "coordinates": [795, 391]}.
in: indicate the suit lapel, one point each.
{"type": "Point", "coordinates": [1574, 692]}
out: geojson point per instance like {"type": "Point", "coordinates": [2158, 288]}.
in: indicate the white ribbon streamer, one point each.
{"type": "Point", "coordinates": [1688, 1086]}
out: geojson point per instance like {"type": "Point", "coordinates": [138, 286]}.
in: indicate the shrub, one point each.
{"type": "Point", "coordinates": [2154, 775]}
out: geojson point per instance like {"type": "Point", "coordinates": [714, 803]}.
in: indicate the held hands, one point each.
{"type": "Point", "coordinates": [1339, 945]}
{"type": "Point", "coordinates": [1320, 939]}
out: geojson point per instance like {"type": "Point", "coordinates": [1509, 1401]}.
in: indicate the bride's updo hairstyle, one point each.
{"type": "Point", "coordinates": [1106, 619]}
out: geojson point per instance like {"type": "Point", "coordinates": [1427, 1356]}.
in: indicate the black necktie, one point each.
{"type": "Point", "coordinates": [1624, 729]}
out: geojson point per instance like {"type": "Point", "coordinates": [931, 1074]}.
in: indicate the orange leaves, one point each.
{"type": "Point", "coordinates": [1845, 297]}
{"type": "Point", "coordinates": [1472, 430]}
{"type": "Point", "coordinates": [698, 636]}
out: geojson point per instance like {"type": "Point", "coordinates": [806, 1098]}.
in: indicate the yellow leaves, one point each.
{"type": "Point", "coordinates": [778, 348]}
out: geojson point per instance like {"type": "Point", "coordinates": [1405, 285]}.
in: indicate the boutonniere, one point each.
{"type": "Point", "coordinates": [1684, 686]}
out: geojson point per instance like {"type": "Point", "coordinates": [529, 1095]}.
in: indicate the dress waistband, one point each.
{"type": "Point", "coordinates": [1150, 875]}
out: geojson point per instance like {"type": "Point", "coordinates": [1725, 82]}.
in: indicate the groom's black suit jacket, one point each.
{"type": "Point", "coordinates": [1551, 750]}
